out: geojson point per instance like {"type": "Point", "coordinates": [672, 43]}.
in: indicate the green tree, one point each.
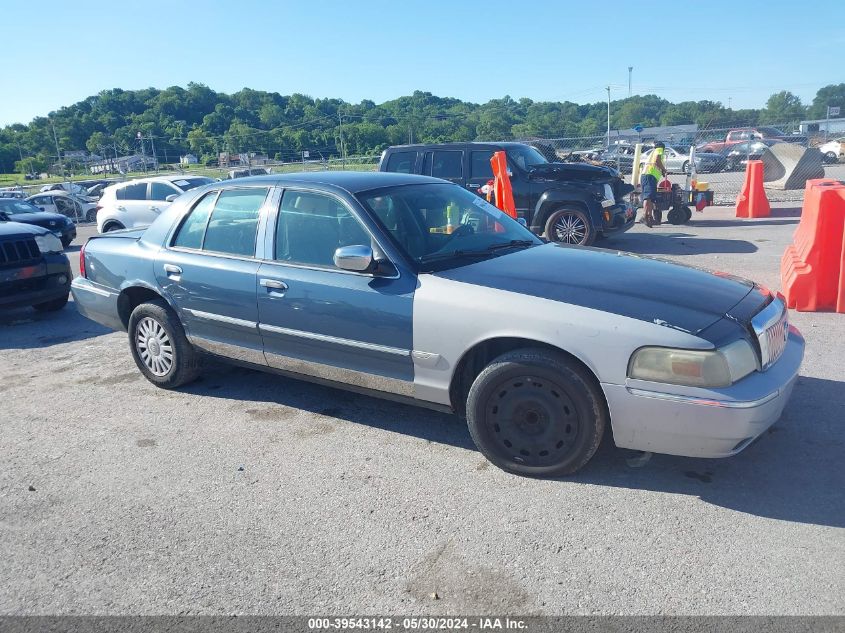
{"type": "Point", "coordinates": [783, 107]}
{"type": "Point", "coordinates": [832, 95]}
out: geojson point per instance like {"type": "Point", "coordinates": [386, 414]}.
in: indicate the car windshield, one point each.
{"type": "Point", "coordinates": [443, 225]}
{"type": "Point", "coordinates": [771, 131]}
{"type": "Point", "coordinates": [525, 156]}
{"type": "Point", "coordinates": [11, 206]}
{"type": "Point", "coordinates": [186, 184]}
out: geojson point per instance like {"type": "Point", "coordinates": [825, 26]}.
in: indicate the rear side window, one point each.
{"type": "Point", "coordinates": [234, 222]}
{"type": "Point", "coordinates": [133, 192]}
{"type": "Point", "coordinates": [402, 162]}
{"type": "Point", "coordinates": [193, 228]}
{"type": "Point", "coordinates": [479, 166]}
{"type": "Point", "coordinates": [447, 164]}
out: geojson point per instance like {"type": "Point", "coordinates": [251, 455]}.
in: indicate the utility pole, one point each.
{"type": "Point", "coordinates": [152, 145]}
{"type": "Point", "coordinates": [630, 70]}
{"type": "Point", "coordinates": [342, 150]}
{"type": "Point", "coordinates": [58, 151]}
{"type": "Point", "coordinates": [729, 103]}
{"type": "Point", "coordinates": [608, 117]}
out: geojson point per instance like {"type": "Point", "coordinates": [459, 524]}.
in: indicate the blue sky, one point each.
{"type": "Point", "coordinates": [741, 50]}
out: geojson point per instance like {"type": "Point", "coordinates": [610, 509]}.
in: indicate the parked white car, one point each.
{"type": "Point", "coordinates": [136, 203]}
{"type": "Point", "coordinates": [68, 204]}
{"type": "Point", "coordinates": [17, 194]}
{"type": "Point", "coordinates": [834, 150]}
{"type": "Point", "coordinates": [70, 187]}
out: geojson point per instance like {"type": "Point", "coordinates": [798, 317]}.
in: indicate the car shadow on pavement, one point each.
{"type": "Point", "coordinates": [666, 242]}
{"type": "Point", "coordinates": [26, 328]}
{"type": "Point", "coordinates": [254, 387]}
{"type": "Point", "coordinates": [792, 472]}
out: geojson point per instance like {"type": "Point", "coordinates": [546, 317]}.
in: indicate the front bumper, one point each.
{"type": "Point", "coordinates": [703, 423]}
{"type": "Point", "coordinates": [97, 303]}
{"type": "Point", "coordinates": [36, 284]}
{"type": "Point", "coordinates": [623, 216]}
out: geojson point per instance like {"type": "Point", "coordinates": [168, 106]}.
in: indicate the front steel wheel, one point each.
{"type": "Point", "coordinates": [537, 413]}
{"type": "Point", "coordinates": [570, 226]}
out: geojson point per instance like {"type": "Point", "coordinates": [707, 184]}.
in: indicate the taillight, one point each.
{"type": "Point", "coordinates": [82, 262]}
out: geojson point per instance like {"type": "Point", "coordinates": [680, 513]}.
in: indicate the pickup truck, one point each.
{"type": "Point", "coordinates": [571, 203]}
{"type": "Point", "coordinates": [33, 269]}
{"type": "Point", "coordinates": [742, 135]}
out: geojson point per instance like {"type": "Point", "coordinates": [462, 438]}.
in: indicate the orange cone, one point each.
{"type": "Point", "coordinates": [502, 185]}
{"type": "Point", "coordinates": [752, 201]}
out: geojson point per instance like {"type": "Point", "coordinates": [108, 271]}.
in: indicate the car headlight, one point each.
{"type": "Point", "coordinates": [694, 368]}
{"type": "Point", "coordinates": [48, 243]}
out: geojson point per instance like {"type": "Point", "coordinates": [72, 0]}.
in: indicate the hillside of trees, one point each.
{"type": "Point", "coordinates": [199, 120]}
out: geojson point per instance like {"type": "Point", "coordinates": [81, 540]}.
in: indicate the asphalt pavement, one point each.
{"type": "Point", "coordinates": [247, 493]}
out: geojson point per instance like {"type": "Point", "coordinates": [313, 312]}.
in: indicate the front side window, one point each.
{"type": "Point", "coordinates": [13, 207]}
{"type": "Point", "coordinates": [160, 191]}
{"type": "Point", "coordinates": [525, 156]}
{"type": "Point", "coordinates": [444, 223]}
{"type": "Point", "coordinates": [312, 226]}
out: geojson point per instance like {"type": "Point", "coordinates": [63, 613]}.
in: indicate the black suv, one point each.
{"type": "Point", "coordinates": [573, 203]}
{"type": "Point", "coordinates": [33, 270]}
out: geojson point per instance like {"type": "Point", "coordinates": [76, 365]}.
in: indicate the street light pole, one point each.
{"type": "Point", "coordinates": [608, 117]}
{"type": "Point", "coordinates": [630, 70]}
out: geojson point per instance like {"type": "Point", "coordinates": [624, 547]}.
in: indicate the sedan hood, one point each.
{"type": "Point", "coordinates": [644, 288]}
{"type": "Point", "coordinates": [42, 218]}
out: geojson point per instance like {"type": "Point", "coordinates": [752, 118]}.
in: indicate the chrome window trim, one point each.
{"type": "Point", "coordinates": [327, 269]}
{"type": "Point", "coordinates": [706, 402]}
{"type": "Point", "coordinates": [221, 318]}
{"type": "Point", "coordinates": [373, 347]}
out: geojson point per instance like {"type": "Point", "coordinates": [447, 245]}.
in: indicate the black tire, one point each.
{"type": "Point", "coordinates": [675, 216]}
{"type": "Point", "coordinates": [685, 167]}
{"type": "Point", "coordinates": [113, 226]}
{"type": "Point", "coordinates": [52, 306]}
{"type": "Point", "coordinates": [155, 331]}
{"type": "Point", "coordinates": [536, 413]}
{"type": "Point", "coordinates": [91, 215]}
{"type": "Point", "coordinates": [66, 242]}
{"type": "Point", "coordinates": [830, 158]}
{"type": "Point", "coordinates": [687, 214]}
{"type": "Point", "coordinates": [570, 225]}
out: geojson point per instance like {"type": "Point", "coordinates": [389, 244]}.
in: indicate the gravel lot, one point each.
{"type": "Point", "coordinates": [250, 493]}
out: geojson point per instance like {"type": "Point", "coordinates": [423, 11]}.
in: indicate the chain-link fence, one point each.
{"type": "Point", "coordinates": [721, 155]}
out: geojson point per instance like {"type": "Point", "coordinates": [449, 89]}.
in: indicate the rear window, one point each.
{"type": "Point", "coordinates": [401, 162]}
{"type": "Point", "coordinates": [186, 184]}
{"type": "Point", "coordinates": [234, 222]}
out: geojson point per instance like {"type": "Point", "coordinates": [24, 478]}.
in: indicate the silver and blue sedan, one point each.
{"type": "Point", "coordinates": [412, 288]}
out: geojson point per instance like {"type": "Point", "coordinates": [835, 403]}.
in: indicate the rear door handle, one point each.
{"type": "Point", "coordinates": [172, 271]}
{"type": "Point", "coordinates": [273, 284]}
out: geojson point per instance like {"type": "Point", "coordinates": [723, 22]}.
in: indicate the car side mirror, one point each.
{"type": "Point", "coordinates": [171, 197]}
{"type": "Point", "coordinates": [522, 222]}
{"type": "Point", "coordinates": [356, 258]}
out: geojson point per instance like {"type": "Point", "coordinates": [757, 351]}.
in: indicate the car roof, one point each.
{"type": "Point", "coordinates": [164, 178]}
{"type": "Point", "coordinates": [457, 145]}
{"type": "Point", "coordinates": [55, 192]}
{"type": "Point", "coordinates": [350, 181]}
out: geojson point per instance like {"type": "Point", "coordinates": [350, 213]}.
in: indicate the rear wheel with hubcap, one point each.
{"type": "Point", "coordinates": [537, 413]}
{"type": "Point", "coordinates": [159, 346]}
{"type": "Point", "coordinates": [570, 225]}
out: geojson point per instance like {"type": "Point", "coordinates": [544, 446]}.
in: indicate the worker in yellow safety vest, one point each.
{"type": "Point", "coordinates": [653, 170]}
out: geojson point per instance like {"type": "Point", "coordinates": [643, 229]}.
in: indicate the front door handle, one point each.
{"type": "Point", "coordinates": [273, 284]}
{"type": "Point", "coordinates": [156, 209]}
{"type": "Point", "coordinates": [172, 271]}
